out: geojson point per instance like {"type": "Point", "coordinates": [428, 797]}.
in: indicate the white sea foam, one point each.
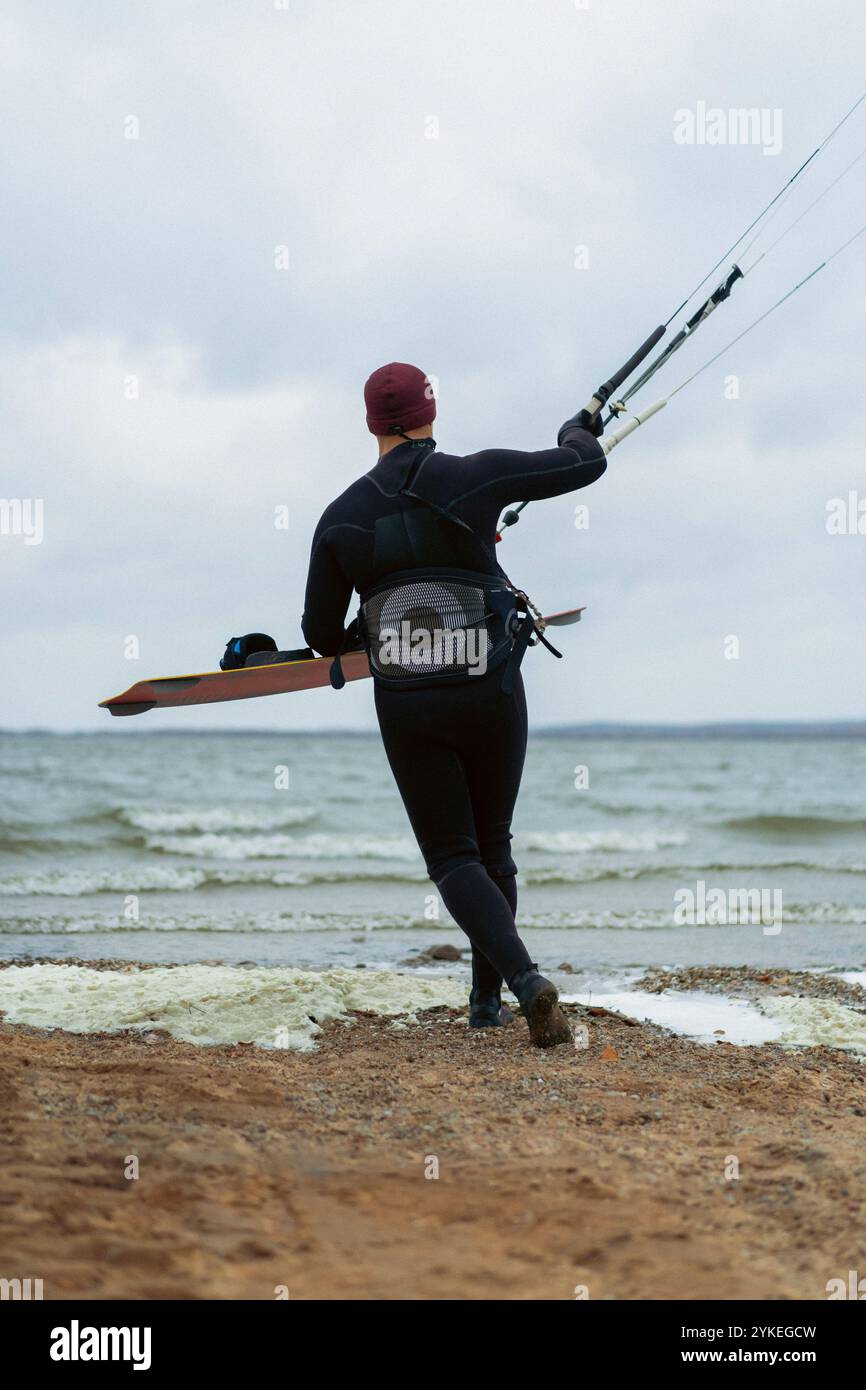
{"type": "Point", "coordinates": [214, 1004]}
{"type": "Point", "coordinates": [589, 841]}
{"type": "Point", "coordinates": [817, 1023]}
{"type": "Point", "coordinates": [75, 883]}
{"type": "Point", "coordinates": [213, 845]}
{"type": "Point", "coordinates": [216, 818]}
{"type": "Point", "coordinates": [225, 922]}
{"type": "Point", "coordinates": [590, 873]}
{"type": "Point", "coordinates": [220, 832]}
{"type": "Point", "coordinates": [704, 1017]}
{"type": "Point", "coordinates": [694, 1013]}
{"type": "Point", "coordinates": [322, 846]}
{"type": "Point", "coordinates": [168, 878]}
{"type": "Point", "coordinates": [276, 1007]}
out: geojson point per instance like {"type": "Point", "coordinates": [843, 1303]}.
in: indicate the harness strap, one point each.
{"type": "Point", "coordinates": [527, 629]}
{"type": "Point", "coordinates": [351, 642]}
{"type": "Point", "coordinates": [549, 645]}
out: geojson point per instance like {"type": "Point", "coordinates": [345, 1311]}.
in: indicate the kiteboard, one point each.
{"type": "Point", "coordinates": [251, 682]}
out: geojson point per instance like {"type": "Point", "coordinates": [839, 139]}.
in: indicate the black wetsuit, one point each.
{"type": "Point", "coordinates": [456, 750]}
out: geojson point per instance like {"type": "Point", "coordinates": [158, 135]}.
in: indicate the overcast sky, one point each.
{"type": "Point", "coordinates": [432, 170]}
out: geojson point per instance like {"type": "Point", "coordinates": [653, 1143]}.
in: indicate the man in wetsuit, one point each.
{"type": "Point", "coordinates": [455, 740]}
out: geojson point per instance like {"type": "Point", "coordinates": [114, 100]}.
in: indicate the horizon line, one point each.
{"type": "Point", "coordinates": [846, 727]}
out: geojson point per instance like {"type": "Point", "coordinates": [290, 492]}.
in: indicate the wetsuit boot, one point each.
{"type": "Point", "coordinates": [486, 1009]}
{"type": "Point", "coordinates": [539, 1004]}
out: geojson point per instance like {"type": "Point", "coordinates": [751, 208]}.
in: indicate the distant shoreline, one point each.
{"type": "Point", "coordinates": [745, 729]}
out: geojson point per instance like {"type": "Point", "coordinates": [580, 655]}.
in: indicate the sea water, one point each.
{"type": "Point", "coordinates": [294, 850]}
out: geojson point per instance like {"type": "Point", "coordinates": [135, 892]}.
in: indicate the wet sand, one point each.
{"type": "Point", "coordinates": [602, 1167]}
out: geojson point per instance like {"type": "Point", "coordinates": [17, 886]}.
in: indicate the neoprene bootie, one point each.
{"type": "Point", "coordinates": [486, 1010]}
{"type": "Point", "coordinates": [539, 1003]}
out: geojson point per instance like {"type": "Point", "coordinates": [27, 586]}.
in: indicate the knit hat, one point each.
{"type": "Point", "coordinates": [398, 397]}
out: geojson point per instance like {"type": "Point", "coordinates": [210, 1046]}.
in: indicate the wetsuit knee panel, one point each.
{"type": "Point", "coordinates": [440, 869]}
{"type": "Point", "coordinates": [499, 867]}
{"type": "Point", "coordinates": [496, 850]}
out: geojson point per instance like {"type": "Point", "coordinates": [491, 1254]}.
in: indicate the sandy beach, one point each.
{"type": "Point", "coordinates": [309, 752]}
{"type": "Point", "coordinates": [607, 1168]}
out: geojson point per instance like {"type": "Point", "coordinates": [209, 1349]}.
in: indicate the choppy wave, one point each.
{"type": "Point", "coordinates": [213, 819]}
{"type": "Point", "coordinates": [605, 841]}
{"type": "Point", "coordinates": [232, 922]}
{"type": "Point", "coordinates": [22, 836]}
{"type": "Point", "coordinates": [75, 883]}
{"type": "Point", "coordinates": [212, 1004]}
{"type": "Point", "coordinates": [249, 922]}
{"type": "Point", "coordinates": [321, 846]}
{"type": "Point", "coordinates": [78, 882]}
{"type": "Point", "coordinates": [774, 826]}
{"type": "Point", "coordinates": [223, 833]}
{"type": "Point", "coordinates": [34, 841]}
{"type": "Point", "coordinates": [181, 879]}
{"type": "Point", "coordinates": [681, 873]}
{"type": "Point", "coordinates": [359, 847]}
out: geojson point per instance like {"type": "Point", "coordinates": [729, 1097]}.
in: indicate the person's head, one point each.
{"type": "Point", "coordinates": [400, 403]}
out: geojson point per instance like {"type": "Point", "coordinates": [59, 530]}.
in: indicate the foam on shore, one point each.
{"type": "Point", "coordinates": [694, 1014]}
{"type": "Point", "coordinates": [210, 1004]}
{"type": "Point", "coordinates": [817, 1023]}
{"type": "Point", "coordinates": [790, 1020]}
{"type": "Point", "coordinates": [283, 1008]}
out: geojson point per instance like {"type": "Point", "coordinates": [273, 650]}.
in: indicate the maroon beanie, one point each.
{"type": "Point", "coordinates": [398, 397]}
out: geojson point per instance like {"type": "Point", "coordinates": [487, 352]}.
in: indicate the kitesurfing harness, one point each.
{"type": "Point", "coordinates": [435, 618]}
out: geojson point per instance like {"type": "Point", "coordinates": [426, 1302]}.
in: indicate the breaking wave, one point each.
{"type": "Point", "coordinates": [605, 841]}
{"type": "Point", "coordinates": [76, 883]}
{"type": "Point", "coordinates": [210, 820]}
{"type": "Point", "coordinates": [264, 921]}
{"type": "Point", "coordinates": [322, 846]}
{"type": "Point", "coordinates": [775, 826]}
{"type": "Point", "coordinates": [329, 846]}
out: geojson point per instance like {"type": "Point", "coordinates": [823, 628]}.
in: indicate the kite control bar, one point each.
{"type": "Point", "coordinates": [596, 405]}
{"type": "Point", "coordinates": [604, 392]}
{"type": "Point", "coordinates": [722, 292]}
